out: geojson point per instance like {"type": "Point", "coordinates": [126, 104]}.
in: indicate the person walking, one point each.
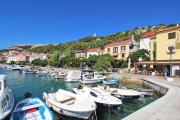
{"type": "Point", "coordinates": [165, 71]}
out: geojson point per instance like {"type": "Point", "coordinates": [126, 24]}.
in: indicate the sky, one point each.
{"type": "Point", "coordinates": [59, 21]}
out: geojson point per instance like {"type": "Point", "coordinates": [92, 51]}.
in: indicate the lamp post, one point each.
{"type": "Point", "coordinates": [81, 66]}
{"type": "Point", "coordinates": [171, 51]}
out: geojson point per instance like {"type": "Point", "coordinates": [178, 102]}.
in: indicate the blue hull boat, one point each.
{"type": "Point", "coordinates": [113, 81]}
{"type": "Point", "coordinates": [32, 109]}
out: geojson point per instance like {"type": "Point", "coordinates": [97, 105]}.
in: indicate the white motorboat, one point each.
{"type": "Point", "coordinates": [15, 67]}
{"type": "Point", "coordinates": [70, 104]}
{"type": "Point", "coordinates": [59, 76]}
{"type": "Point", "coordinates": [123, 94]}
{"type": "Point", "coordinates": [52, 74]}
{"type": "Point", "coordinates": [73, 76]}
{"type": "Point", "coordinates": [99, 96]}
{"type": "Point", "coordinates": [32, 109]}
{"type": "Point", "coordinates": [90, 77]}
{"type": "Point", "coordinates": [145, 91]}
{"type": "Point", "coordinates": [41, 73]}
{"type": "Point", "coordinates": [6, 98]}
{"type": "Point", "coordinates": [28, 71]}
{"type": "Point", "coordinates": [113, 81]}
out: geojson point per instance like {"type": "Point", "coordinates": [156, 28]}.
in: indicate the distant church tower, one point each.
{"type": "Point", "coordinates": [94, 35]}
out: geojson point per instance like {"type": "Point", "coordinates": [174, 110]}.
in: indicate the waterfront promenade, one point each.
{"type": "Point", "coordinates": [166, 107]}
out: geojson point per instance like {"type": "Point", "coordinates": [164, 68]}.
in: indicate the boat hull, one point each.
{"type": "Point", "coordinates": [75, 114]}
{"type": "Point", "coordinates": [81, 115]}
{"type": "Point", "coordinates": [11, 105]}
{"type": "Point", "coordinates": [91, 81]}
{"type": "Point", "coordinates": [110, 82]}
{"type": "Point", "coordinates": [32, 109]}
{"type": "Point", "coordinates": [71, 80]}
{"type": "Point", "coordinates": [129, 98]}
{"type": "Point", "coordinates": [80, 108]}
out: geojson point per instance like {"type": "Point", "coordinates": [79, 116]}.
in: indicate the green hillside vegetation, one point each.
{"type": "Point", "coordinates": [62, 55]}
{"type": "Point", "coordinates": [99, 41]}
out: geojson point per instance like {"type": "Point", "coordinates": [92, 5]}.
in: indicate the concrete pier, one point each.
{"type": "Point", "coordinates": [165, 108]}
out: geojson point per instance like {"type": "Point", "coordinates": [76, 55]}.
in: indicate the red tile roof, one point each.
{"type": "Point", "coordinates": [94, 50]}
{"type": "Point", "coordinates": [1, 55]}
{"type": "Point", "coordinates": [122, 42]}
{"type": "Point", "coordinates": [80, 51]}
{"type": "Point", "coordinates": [169, 28]}
{"type": "Point", "coordinates": [149, 34]}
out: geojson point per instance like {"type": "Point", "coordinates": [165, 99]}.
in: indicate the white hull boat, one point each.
{"type": "Point", "coordinates": [123, 94]}
{"type": "Point", "coordinates": [99, 96]}
{"type": "Point", "coordinates": [41, 73]}
{"type": "Point", "coordinates": [58, 76]}
{"type": "Point", "coordinates": [32, 109]}
{"type": "Point", "coordinates": [88, 79]}
{"type": "Point", "coordinates": [91, 81]}
{"type": "Point", "coordinates": [6, 98]}
{"type": "Point", "coordinates": [70, 104]}
{"type": "Point", "coordinates": [27, 72]}
{"type": "Point", "coordinates": [145, 92]}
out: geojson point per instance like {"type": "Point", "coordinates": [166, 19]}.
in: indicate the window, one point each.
{"type": "Point", "coordinates": [123, 47]}
{"type": "Point", "coordinates": [115, 49]}
{"type": "Point", "coordinates": [108, 49]}
{"type": "Point", "coordinates": [172, 35]}
{"type": "Point", "coordinates": [123, 55]}
{"type": "Point", "coordinates": [171, 49]}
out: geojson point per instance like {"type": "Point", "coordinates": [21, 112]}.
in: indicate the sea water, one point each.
{"type": "Point", "coordinates": [21, 83]}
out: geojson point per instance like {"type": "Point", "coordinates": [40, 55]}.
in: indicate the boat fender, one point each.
{"type": "Point", "coordinates": [45, 95]}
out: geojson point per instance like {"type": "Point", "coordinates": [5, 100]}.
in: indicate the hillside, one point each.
{"type": "Point", "coordinates": [97, 41]}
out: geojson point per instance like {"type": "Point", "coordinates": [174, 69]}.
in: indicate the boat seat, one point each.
{"type": "Point", "coordinates": [28, 107]}
{"type": "Point", "coordinates": [67, 100]}
{"type": "Point", "coordinates": [33, 116]}
{"type": "Point", "coordinates": [62, 98]}
{"type": "Point", "coordinates": [70, 102]}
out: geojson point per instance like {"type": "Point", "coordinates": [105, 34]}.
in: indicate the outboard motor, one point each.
{"type": "Point", "coordinates": [80, 86]}
{"type": "Point", "coordinates": [94, 85]}
{"type": "Point", "coordinates": [28, 95]}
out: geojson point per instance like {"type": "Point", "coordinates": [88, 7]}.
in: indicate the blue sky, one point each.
{"type": "Point", "coordinates": [59, 21]}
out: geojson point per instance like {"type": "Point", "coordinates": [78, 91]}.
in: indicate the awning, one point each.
{"type": "Point", "coordinates": [158, 63]}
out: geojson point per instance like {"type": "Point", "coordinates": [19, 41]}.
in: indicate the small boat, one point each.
{"type": "Point", "coordinates": [41, 73]}
{"type": "Point", "coordinates": [32, 109]}
{"type": "Point", "coordinates": [27, 71]}
{"type": "Point", "coordinates": [90, 77]}
{"type": "Point", "coordinates": [123, 94]}
{"type": "Point", "coordinates": [70, 104]}
{"type": "Point", "coordinates": [145, 92]}
{"type": "Point", "coordinates": [100, 97]}
{"type": "Point", "coordinates": [73, 76]}
{"type": "Point", "coordinates": [6, 98]}
{"type": "Point", "coordinates": [15, 68]}
{"type": "Point", "coordinates": [52, 74]}
{"type": "Point", "coordinates": [113, 81]}
{"type": "Point", "coordinates": [59, 76]}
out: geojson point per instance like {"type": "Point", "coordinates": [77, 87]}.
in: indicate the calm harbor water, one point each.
{"type": "Point", "coordinates": [21, 83]}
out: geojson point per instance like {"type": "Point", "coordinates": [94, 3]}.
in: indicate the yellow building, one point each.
{"type": "Point", "coordinates": [159, 54]}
